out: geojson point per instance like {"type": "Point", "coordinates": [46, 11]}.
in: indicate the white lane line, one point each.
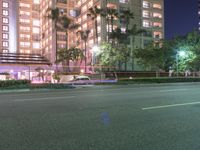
{"type": "Point", "coordinates": [44, 98]}
{"type": "Point", "coordinates": [173, 90]}
{"type": "Point", "coordinates": [172, 105]}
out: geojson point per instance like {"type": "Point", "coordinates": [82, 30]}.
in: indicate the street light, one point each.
{"type": "Point", "coordinates": [179, 54]}
{"type": "Point", "coordinates": [95, 51]}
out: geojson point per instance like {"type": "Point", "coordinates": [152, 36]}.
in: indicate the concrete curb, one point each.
{"type": "Point", "coordinates": [10, 91]}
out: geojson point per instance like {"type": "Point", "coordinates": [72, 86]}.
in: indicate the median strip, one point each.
{"type": "Point", "coordinates": [44, 98]}
{"type": "Point", "coordinates": [173, 90]}
{"type": "Point", "coordinates": [172, 105]}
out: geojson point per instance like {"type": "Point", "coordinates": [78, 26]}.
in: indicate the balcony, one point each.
{"type": "Point", "coordinates": [62, 1]}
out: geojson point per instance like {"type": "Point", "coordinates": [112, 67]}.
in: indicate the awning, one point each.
{"type": "Point", "coordinates": [23, 59]}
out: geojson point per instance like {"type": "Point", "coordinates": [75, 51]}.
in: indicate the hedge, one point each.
{"type": "Point", "coordinates": [14, 84]}
{"type": "Point", "coordinates": [51, 86]}
{"type": "Point", "coordinates": [159, 80]}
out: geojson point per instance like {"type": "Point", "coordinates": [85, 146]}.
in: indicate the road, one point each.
{"type": "Point", "coordinates": [123, 117]}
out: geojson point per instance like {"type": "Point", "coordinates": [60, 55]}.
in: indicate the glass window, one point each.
{"type": "Point", "coordinates": [5, 44]}
{"type": "Point", "coordinates": [5, 51]}
{"type": "Point", "coordinates": [36, 22]}
{"type": "Point", "coordinates": [36, 1]}
{"type": "Point", "coordinates": [157, 6]}
{"type": "Point", "coordinates": [5, 36]}
{"type": "Point", "coordinates": [5, 20]}
{"type": "Point", "coordinates": [123, 1]}
{"type": "Point", "coordinates": [157, 15]}
{"type": "Point", "coordinates": [36, 45]}
{"type": "Point", "coordinates": [146, 14]}
{"type": "Point", "coordinates": [5, 4]}
{"type": "Point", "coordinates": [36, 30]}
{"type": "Point", "coordinates": [5, 12]}
{"type": "Point", "coordinates": [146, 4]}
{"type": "Point", "coordinates": [5, 28]}
{"type": "Point", "coordinates": [146, 23]}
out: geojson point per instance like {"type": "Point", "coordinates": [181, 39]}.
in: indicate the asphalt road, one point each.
{"type": "Point", "coordinates": [128, 117]}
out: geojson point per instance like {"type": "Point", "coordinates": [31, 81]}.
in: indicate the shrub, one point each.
{"type": "Point", "coordinates": [50, 86]}
{"type": "Point", "coordinates": [14, 84]}
{"type": "Point", "coordinates": [159, 80]}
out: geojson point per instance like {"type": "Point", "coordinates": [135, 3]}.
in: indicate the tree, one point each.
{"type": "Point", "coordinates": [190, 44]}
{"type": "Point", "coordinates": [84, 35]}
{"type": "Point", "coordinates": [152, 56]}
{"type": "Point", "coordinates": [110, 15]}
{"type": "Point", "coordinates": [94, 12]}
{"type": "Point", "coordinates": [60, 22]}
{"type": "Point", "coordinates": [107, 57]}
{"type": "Point", "coordinates": [67, 55]}
{"type": "Point", "coordinates": [123, 55]}
{"type": "Point", "coordinates": [125, 17]}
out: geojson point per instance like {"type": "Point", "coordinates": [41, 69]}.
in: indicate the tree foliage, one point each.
{"type": "Point", "coordinates": [66, 55]}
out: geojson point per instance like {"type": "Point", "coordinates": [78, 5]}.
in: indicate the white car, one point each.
{"type": "Point", "coordinates": [81, 80]}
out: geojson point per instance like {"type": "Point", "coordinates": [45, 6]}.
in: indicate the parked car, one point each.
{"type": "Point", "coordinates": [81, 79]}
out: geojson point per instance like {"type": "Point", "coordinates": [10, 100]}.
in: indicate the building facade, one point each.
{"type": "Point", "coordinates": [148, 15]}
{"type": "Point", "coordinates": [8, 23]}
{"type": "Point", "coordinates": [26, 29]}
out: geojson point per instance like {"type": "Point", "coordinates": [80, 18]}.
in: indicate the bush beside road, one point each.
{"type": "Point", "coordinates": [25, 84]}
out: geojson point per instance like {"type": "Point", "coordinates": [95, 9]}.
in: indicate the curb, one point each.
{"type": "Point", "coordinates": [10, 91]}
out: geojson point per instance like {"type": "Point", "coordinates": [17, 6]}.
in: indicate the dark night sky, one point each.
{"type": "Point", "coordinates": [181, 16]}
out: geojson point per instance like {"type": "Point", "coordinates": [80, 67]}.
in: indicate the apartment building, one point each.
{"type": "Point", "coordinates": [199, 13]}
{"type": "Point", "coordinates": [148, 15]}
{"type": "Point", "coordinates": [27, 30]}
{"type": "Point", "coordinates": [8, 30]}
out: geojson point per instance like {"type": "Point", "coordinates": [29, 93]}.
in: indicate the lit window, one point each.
{"type": "Point", "coordinates": [157, 6]}
{"type": "Point", "coordinates": [157, 15]}
{"type": "Point", "coordinates": [25, 44]}
{"type": "Point", "coordinates": [25, 29]}
{"type": "Point", "coordinates": [36, 30]}
{"type": "Point", "coordinates": [5, 44]}
{"type": "Point", "coordinates": [5, 36]}
{"type": "Point", "coordinates": [146, 4]}
{"type": "Point", "coordinates": [5, 51]}
{"type": "Point", "coordinates": [157, 35]}
{"type": "Point", "coordinates": [24, 36]}
{"type": "Point", "coordinates": [5, 28]}
{"type": "Point", "coordinates": [5, 20]}
{"type": "Point", "coordinates": [5, 12]}
{"type": "Point", "coordinates": [24, 5]}
{"type": "Point", "coordinates": [25, 21]}
{"type": "Point", "coordinates": [146, 14]}
{"type": "Point", "coordinates": [36, 45]}
{"type": "Point", "coordinates": [24, 13]}
{"type": "Point", "coordinates": [157, 24]}
{"type": "Point", "coordinates": [36, 22]}
{"type": "Point", "coordinates": [123, 1]}
{"type": "Point", "coordinates": [36, 1]}
{"type": "Point", "coordinates": [5, 4]}
{"type": "Point", "coordinates": [146, 23]}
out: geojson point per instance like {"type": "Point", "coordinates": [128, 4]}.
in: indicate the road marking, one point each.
{"type": "Point", "coordinates": [44, 98]}
{"type": "Point", "coordinates": [172, 105]}
{"type": "Point", "coordinates": [173, 90]}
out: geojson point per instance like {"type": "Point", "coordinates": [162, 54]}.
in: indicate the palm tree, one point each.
{"type": "Point", "coordinates": [65, 55]}
{"type": "Point", "coordinates": [125, 17]}
{"type": "Point", "coordinates": [60, 22]}
{"type": "Point", "coordinates": [94, 12]}
{"type": "Point", "coordinates": [110, 15]}
{"type": "Point", "coordinates": [84, 35]}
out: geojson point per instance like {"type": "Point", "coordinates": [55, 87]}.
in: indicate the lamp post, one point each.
{"type": "Point", "coordinates": [95, 50]}
{"type": "Point", "coordinates": [179, 54]}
